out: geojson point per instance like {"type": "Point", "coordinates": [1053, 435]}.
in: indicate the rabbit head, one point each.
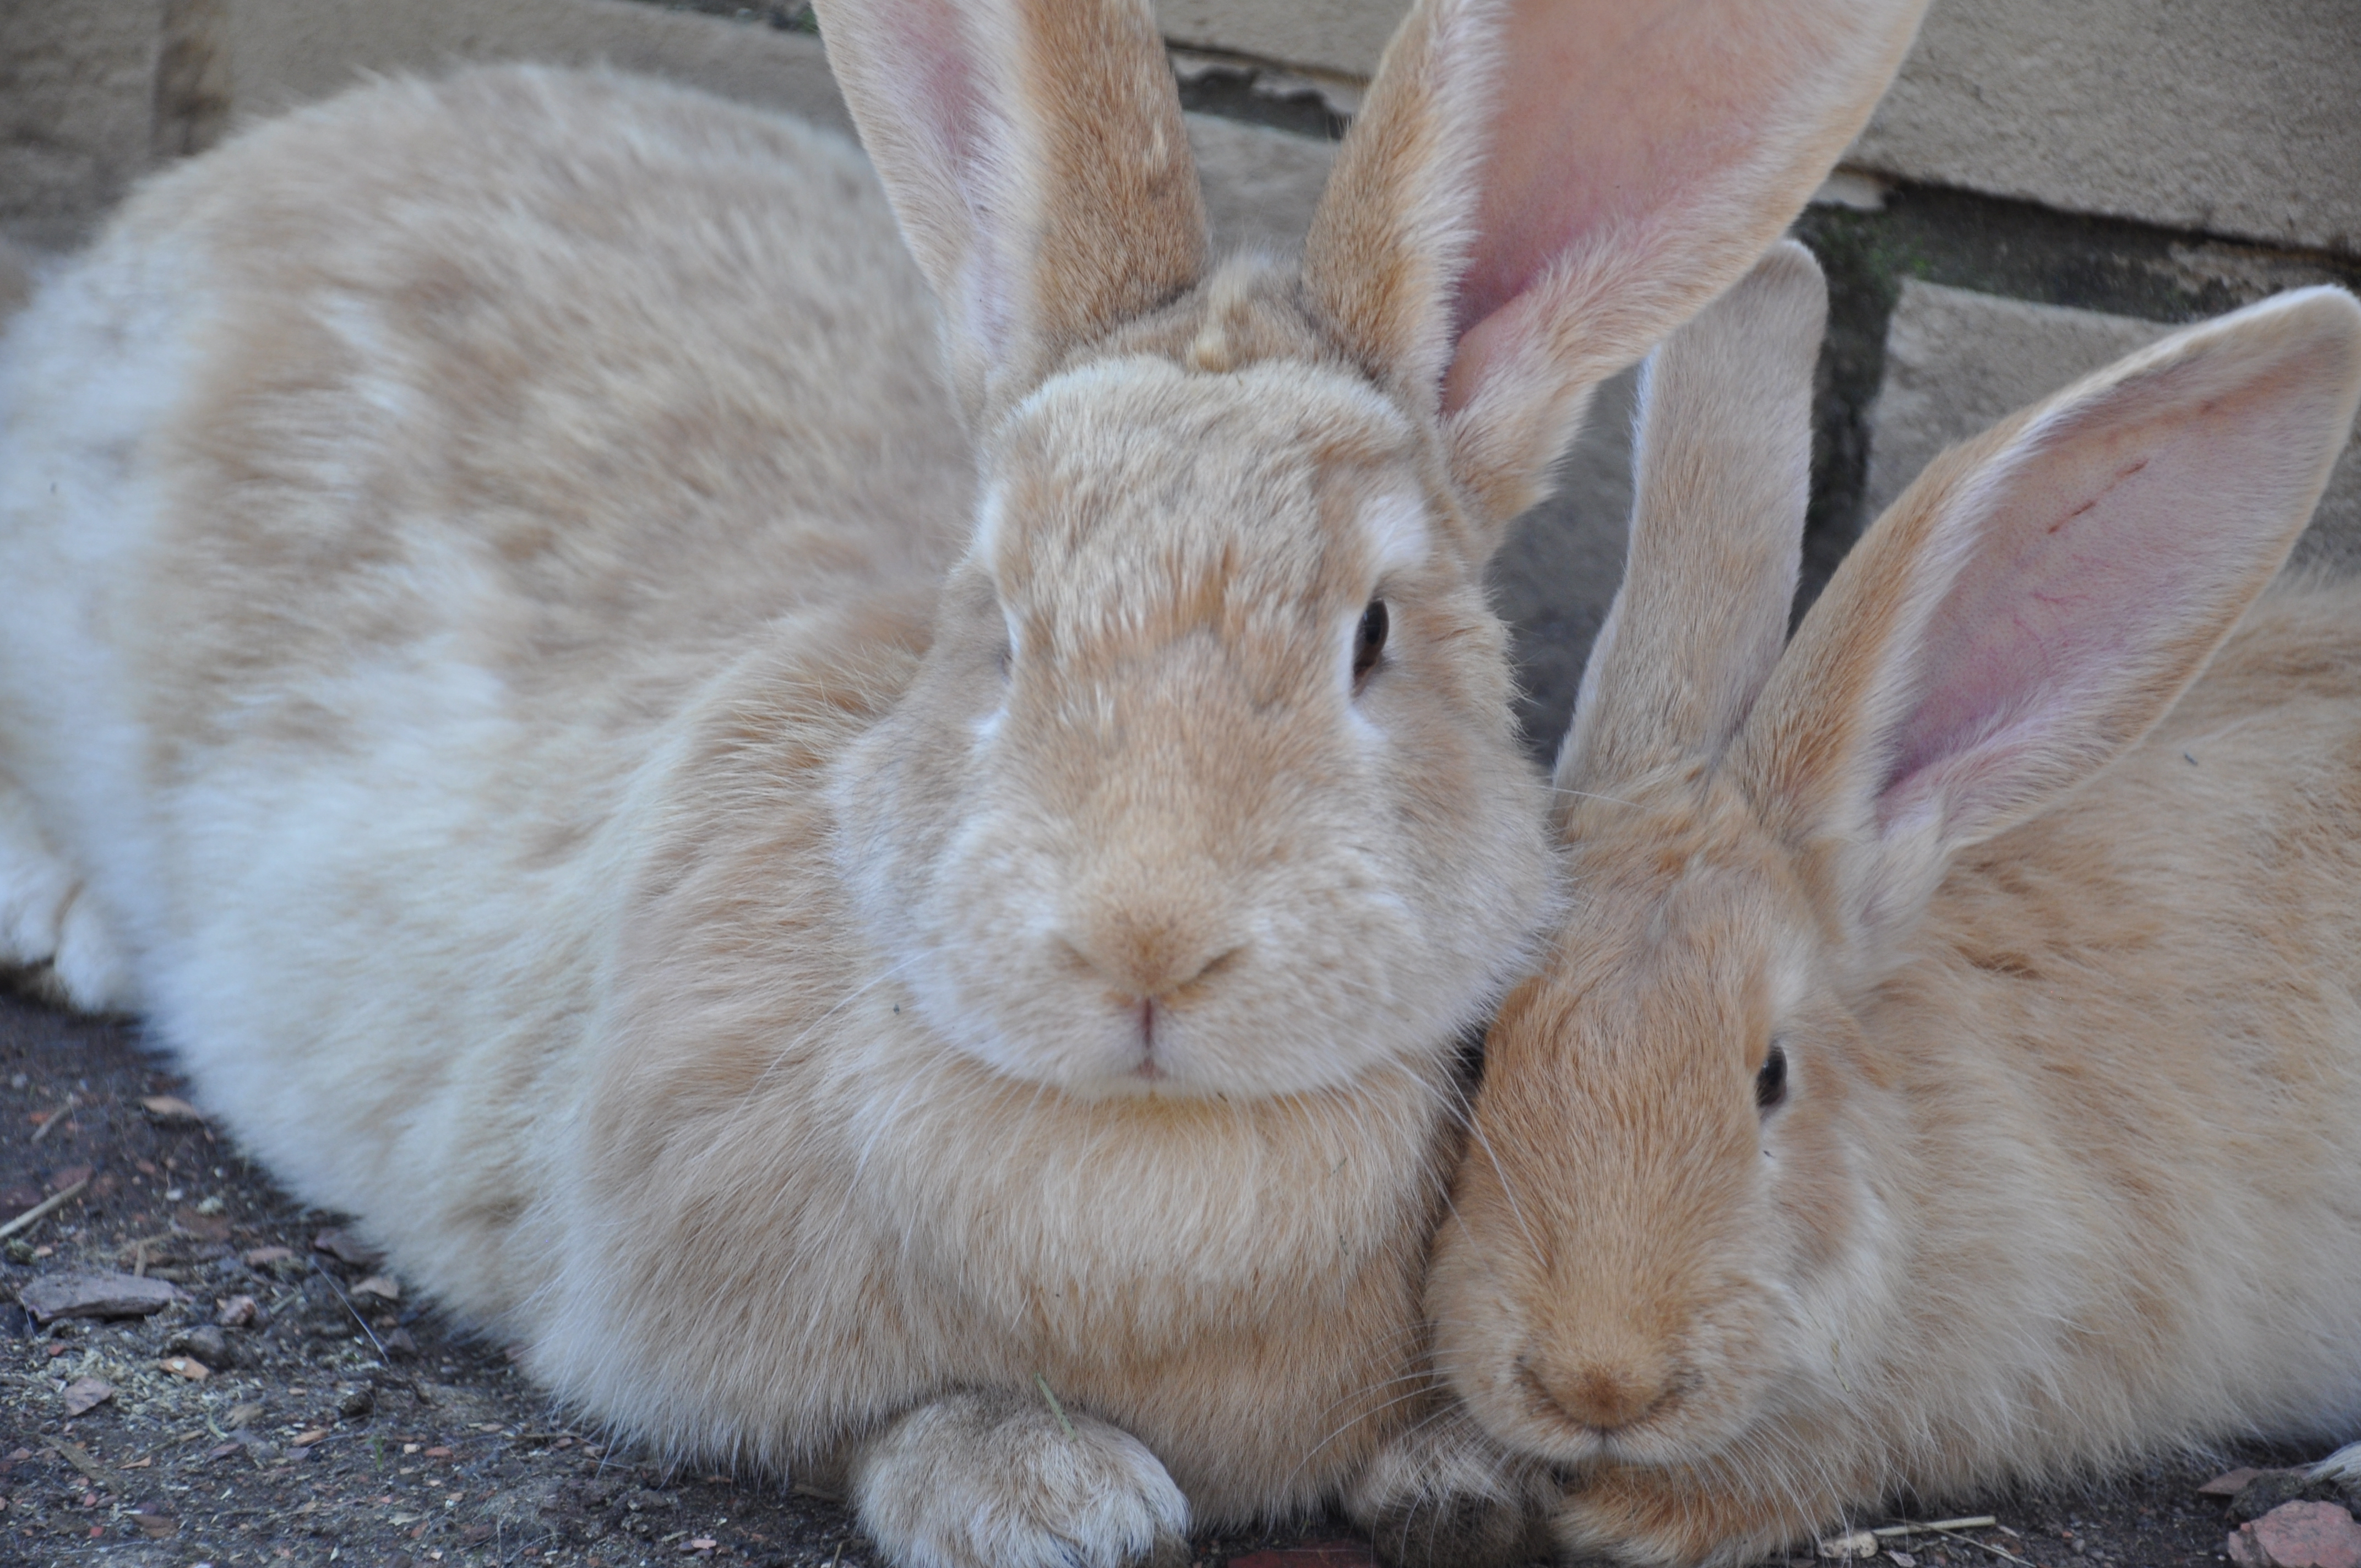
{"type": "Point", "coordinates": [1685, 1211]}
{"type": "Point", "coordinates": [1208, 784]}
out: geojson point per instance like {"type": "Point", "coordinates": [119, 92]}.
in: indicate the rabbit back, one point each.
{"type": "Point", "coordinates": [2130, 1056]}
{"type": "Point", "coordinates": [373, 493]}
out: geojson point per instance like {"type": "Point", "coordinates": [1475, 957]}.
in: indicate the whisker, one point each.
{"type": "Point", "coordinates": [1586, 794]}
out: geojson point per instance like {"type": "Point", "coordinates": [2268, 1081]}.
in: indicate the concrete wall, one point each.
{"type": "Point", "coordinates": [2043, 187]}
{"type": "Point", "coordinates": [78, 110]}
{"type": "Point", "coordinates": [2233, 116]}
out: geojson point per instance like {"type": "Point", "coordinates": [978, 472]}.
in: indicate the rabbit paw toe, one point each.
{"type": "Point", "coordinates": [89, 967]}
{"type": "Point", "coordinates": [1443, 1496]}
{"type": "Point", "coordinates": [35, 886]}
{"type": "Point", "coordinates": [987, 1478]}
{"type": "Point", "coordinates": [1650, 1519]}
{"type": "Point", "coordinates": [49, 925]}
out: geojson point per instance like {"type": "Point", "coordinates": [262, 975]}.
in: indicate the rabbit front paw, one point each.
{"type": "Point", "coordinates": [49, 923]}
{"type": "Point", "coordinates": [1679, 1518]}
{"type": "Point", "coordinates": [996, 1479]}
{"type": "Point", "coordinates": [1444, 1496]}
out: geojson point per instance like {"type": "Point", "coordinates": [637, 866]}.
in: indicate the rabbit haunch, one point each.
{"type": "Point", "coordinates": [2056, 954]}
{"type": "Point", "coordinates": [822, 861]}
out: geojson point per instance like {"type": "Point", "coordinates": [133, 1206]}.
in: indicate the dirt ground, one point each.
{"type": "Point", "coordinates": [340, 1420]}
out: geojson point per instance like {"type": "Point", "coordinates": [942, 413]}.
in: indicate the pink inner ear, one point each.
{"type": "Point", "coordinates": [930, 63]}
{"type": "Point", "coordinates": [926, 61]}
{"type": "Point", "coordinates": [2112, 551]}
{"type": "Point", "coordinates": [929, 35]}
{"type": "Point", "coordinates": [1610, 111]}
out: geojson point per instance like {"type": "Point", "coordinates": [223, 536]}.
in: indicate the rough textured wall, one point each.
{"type": "Point", "coordinates": [2044, 185]}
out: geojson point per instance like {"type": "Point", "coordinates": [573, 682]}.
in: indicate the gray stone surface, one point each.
{"type": "Point", "coordinates": [2238, 117]}
{"type": "Point", "coordinates": [1343, 36]}
{"type": "Point", "coordinates": [285, 53]}
{"type": "Point", "coordinates": [193, 90]}
{"type": "Point", "coordinates": [1260, 184]}
{"type": "Point", "coordinates": [18, 266]}
{"type": "Point", "coordinates": [1956, 361]}
{"type": "Point", "coordinates": [77, 104]}
{"type": "Point", "coordinates": [86, 1294]}
{"type": "Point", "coordinates": [1558, 569]}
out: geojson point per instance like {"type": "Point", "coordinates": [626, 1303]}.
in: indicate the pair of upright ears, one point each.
{"type": "Point", "coordinates": [1534, 193]}
{"type": "Point", "coordinates": [2025, 611]}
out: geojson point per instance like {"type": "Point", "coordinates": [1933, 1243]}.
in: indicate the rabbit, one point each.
{"type": "Point", "coordinates": [1947, 1073]}
{"type": "Point", "coordinates": [882, 865]}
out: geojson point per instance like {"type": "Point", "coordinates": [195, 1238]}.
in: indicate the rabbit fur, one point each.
{"type": "Point", "coordinates": [1948, 1072]}
{"type": "Point", "coordinates": [825, 844]}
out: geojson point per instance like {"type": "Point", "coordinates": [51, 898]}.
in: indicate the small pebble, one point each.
{"type": "Point", "coordinates": [204, 1341]}
{"type": "Point", "coordinates": [2299, 1535]}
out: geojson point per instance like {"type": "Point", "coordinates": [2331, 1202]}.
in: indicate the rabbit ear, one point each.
{"type": "Point", "coordinates": [1723, 464]}
{"type": "Point", "coordinates": [1035, 157]}
{"type": "Point", "coordinates": [1537, 191]}
{"type": "Point", "coordinates": [2043, 594]}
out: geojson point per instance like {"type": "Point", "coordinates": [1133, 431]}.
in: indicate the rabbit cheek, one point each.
{"type": "Point", "coordinates": [1601, 1297]}
{"type": "Point", "coordinates": [1474, 1289]}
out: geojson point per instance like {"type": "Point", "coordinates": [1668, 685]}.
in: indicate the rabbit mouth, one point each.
{"type": "Point", "coordinates": [1152, 1060]}
{"type": "Point", "coordinates": [1600, 1416]}
{"type": "Point", "coordinates": [1149, 1069]}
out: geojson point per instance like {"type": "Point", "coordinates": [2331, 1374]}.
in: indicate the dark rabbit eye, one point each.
{"type": "Point", "coordinates": [1369, 641]}
{"type": "Point", "coordinates": [1771, 1083]}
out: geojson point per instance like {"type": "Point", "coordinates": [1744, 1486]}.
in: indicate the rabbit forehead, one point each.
{"type": "Point", "coordinates": [1133, 495]}
{"type": "Point", "coordinates": [1677, 960]}
{"type": "Point", "coordinates": [1691, 948]}
{"type": "Point", "coordinates": [1673, 950]}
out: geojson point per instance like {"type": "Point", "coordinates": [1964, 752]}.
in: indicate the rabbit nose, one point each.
{"type": "Point", "coordinates": [1602, 1395]}
{"type": "Point", "coordinates": [1144, 957]}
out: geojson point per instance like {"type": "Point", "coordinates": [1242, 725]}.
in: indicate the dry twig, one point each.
{"type": "Point", "coordinates": [1980, 1521]}
{"type": "Point", "coordinates": [56, 1117]}
{"type": "Point", "coordinates": [1980, 1546]}
{"type": "Point", "coordinates": [43, 1208]}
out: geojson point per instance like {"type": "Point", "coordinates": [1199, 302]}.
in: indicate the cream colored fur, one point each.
{"type": "Point", "coordinates": [825, 861]}
{"type": "Point", "coordinates": [2059, 953]}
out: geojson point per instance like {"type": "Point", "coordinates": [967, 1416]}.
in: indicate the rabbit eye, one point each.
{"type": "Point", "coordinates": [1368, 642]}
{"type": "Point", "coordinates": [1771, 1080]}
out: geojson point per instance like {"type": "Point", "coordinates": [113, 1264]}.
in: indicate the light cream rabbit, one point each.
{"type": "Point", "coordinates": [824, 932]}
{"type": "Point", "coordinates": [1949, 1072]}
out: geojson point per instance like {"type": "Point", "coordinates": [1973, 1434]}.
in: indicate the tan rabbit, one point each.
{"type": "Point", "coordinates": [1950, 1071]}
{"type": "Point", "coordinates": [838, 903]}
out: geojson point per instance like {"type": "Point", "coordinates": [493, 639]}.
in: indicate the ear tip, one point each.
{"type": "Point", "coordinates": [1785, 299]}
{"type": "Point", "coordinates": [2313, 334]}
{"type": "Point", "coordinates": [1793, 259]}
{"type": "Point", "coordinates": [2323, 312]}
{"type": "Point", "coordinates": [2335, 316]}
{"type": "Point", "coordinates": [2304, 343]}
{"type": "Point", "coordinates": [2327, 299]}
